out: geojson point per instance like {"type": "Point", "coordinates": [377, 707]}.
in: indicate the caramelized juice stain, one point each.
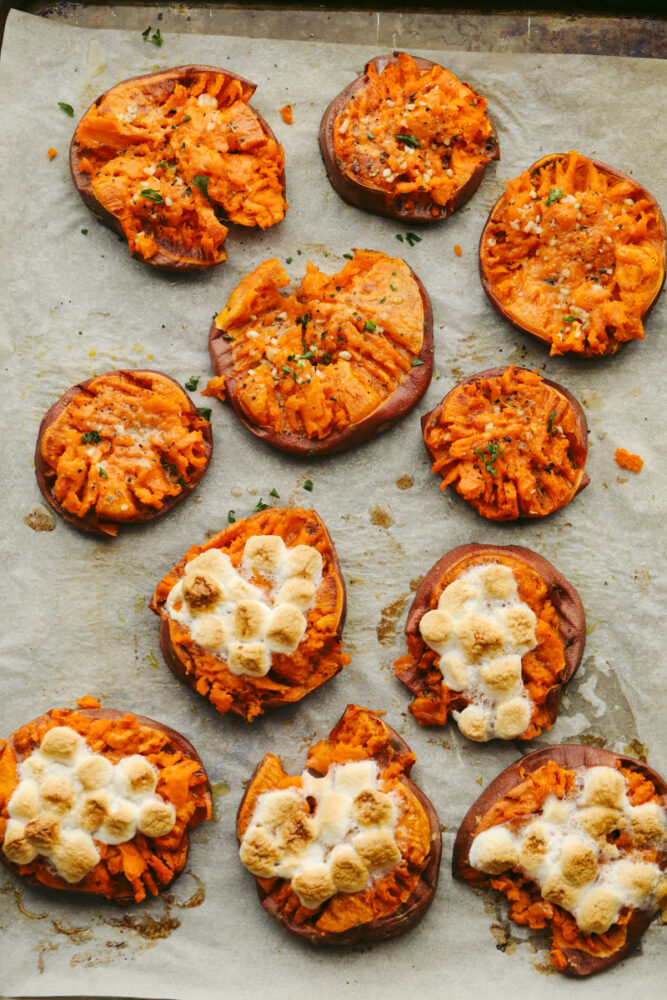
{"type": "Point", "coordinates": [197, 897]}
{"type": "Point", "coordinates": [405, 482]}
{"type": "Point", "coordinates": [381, 515]}
{"type": "Point", "coordinates": [635, 748]}
{"type": "Point", "coordinates": [386, 629]}
{"type": "Point", "coordinates": [146, 926]}
{"type": "Point", "coordinates": [40, 520]}
{"type": "Point", "coordinates": [18, 897]}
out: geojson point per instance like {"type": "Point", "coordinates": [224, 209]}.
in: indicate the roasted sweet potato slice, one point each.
{"type": "Point", "coordinates": [162, 159]}
{"type": "Point", "coordinates": [574, 254]}
{"type": "Point", "coordinates": [576, 838]}
{"type": "Point", "coordinates": [121, 448]}
{"type": "Point", "coordinates": [338, 361]}
{"type": "Point", "coordinates": [494, 634]}
{"type": "Point", "coordinates": [252, 619]}
{"type": "Point", "coordinates": [99, 801]}
{"type": "Point", "coordinates": [407, 140]}
{"type": "Point", "coordinates": [348, 852]}
{"type": "Point", "coordinates": [512, 443]}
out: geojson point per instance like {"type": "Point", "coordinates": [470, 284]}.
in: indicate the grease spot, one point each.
{"type": "Point", "coordinates": [140, 603]}
{"type": "Point", "coordinates": [635, 748]}
{"type": "Point", "coordinates": [146, 926]}
{"type": "Point", "coordinates": [386, 630]}
{"type": "Point", "coordinates": [18, 898]}
{"type": "Point", "coordinates": [151, 661]}
{"type": "Point", "coordinates": [405, 482]}
{"type": "Point", "coordinates": [40, 519]}
{"type": "Point", "coordinates": [381, 515]}
{"type": "Point", "coordinates": [220, 788]}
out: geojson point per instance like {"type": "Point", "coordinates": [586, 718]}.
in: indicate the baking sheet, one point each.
{"type": "Point", "coordinates": [76, 617]}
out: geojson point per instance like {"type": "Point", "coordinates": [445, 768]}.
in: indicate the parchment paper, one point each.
{"type": "Point", "coordinates": [75, 615]}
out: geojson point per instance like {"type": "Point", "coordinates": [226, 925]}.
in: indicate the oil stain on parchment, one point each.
{"type": "Point", "coordinates": [40, 519]}
{"type": "Point", "coordinates": [597, 694]}
{"type": "Point", "coordinates": [389, 619]}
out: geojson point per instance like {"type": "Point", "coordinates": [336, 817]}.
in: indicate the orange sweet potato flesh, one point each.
{"type": "Point", "coordinates": [512, 443]}
{"type": "Point", "coordinates": [163, 158]}
{"type": "Point", "coordinates": [520, 792]}
{"type": "Point", "coordinates": [574, 254]}
{"type": "Point", "coordinates": [407, 139]}
{"type": "Point", "coordinates": [395, 901]}
{"type": "Point", "coordinates": [131, 871]}
{"type": "Point", "coordinates": [121, 448]}
{"type": "Point", "coordinates": [560, 632]}
{"type": "Point", "coordinates": [332, 364]}
{"type": "Point", "coordinates": [319, 656]}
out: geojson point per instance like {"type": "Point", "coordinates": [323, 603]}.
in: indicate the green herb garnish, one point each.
{"type": "Point", "coordinates": [204, 412]}
{"type": "Point", "coordinates": [180, 482]}
{"type": "Point", "coordinates": [369, 135]}
{"type": "Point", "coordinates": [370, 326]}
{"type": "Point", "coordinates": [569, 319]}
{"type": "Point", "coordinates": [156, 38]}
{"type": "Point", "coordinates": [151, 195]}
{"type": "Point", "coordinates": [67, 108]}
{"type": "Point", "coordinates": [326, 360]}
{"type": "Point", "coordinates": [103, 473]}
{"type": "Point", "coordinates": [91, 437]}
{"type": "Point", "coordinates": [201, 181]}
{"type": "Point", "coordinates": [555, 194]}
{"type": "Point", "coordinates": [275, 493]}
{"type": "Point", "coordinates": [408, 140]}
{"type": "Point", "coordinates": [85, 232]}
{"type": "Point", "coordinates": [186, 118]}
{"type": "Point", "coordinates": [550, 425]}
{"type": "Point", "coordinates": [412, 238]}
{"type": "Point", "coordinates": [286, 370]}
{"type": "Point", "coordinates": [348, 256]}
{"type": "Point", "coordinates": [288, 260]}
{"type": "Point", "coordinates": [415, 362]}
{"type": "Point", "coordinates": [308, 485]}
{"type": "Point", "coordinates": [260, 505]}
{"type": "Point", "coordinates": [494, 451]}
{"type": "Point", "coordinates": [231, 516]}
{"type": "Point", "coordinates": [192, 383]}
{"type": "Point", "coordinates": [399, 237]}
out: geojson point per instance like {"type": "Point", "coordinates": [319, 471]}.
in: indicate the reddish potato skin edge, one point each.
{"type": "Point", "coordinates": [579, 418]}
{"type": "Point", "coordinates": [179, 741]}
{"type": "Point", "coordinates": [409, 913]}
{"type": "Point", "coordinates": [486, 283]}
{"type": "Point", "coordinates": [568, 755]}
{"type": "Point", "coordinates": [44, 473]}
{"type": "Point", "coordinates": [166, 258]}
{"type": "Point", "coordinates": [178, 667]}
{"type": "Point", "coordinates": [373, 199]}
{"type": "Point", "coordinates": [561, 593]}
{"type": "Point", "coordinates": [401, 401]}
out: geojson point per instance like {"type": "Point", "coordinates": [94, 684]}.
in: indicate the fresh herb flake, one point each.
{"type": "Point", "coordinates": [275, 493]}
{"type": "Point", "coordinates": [146, 33]}
{"type": "Point", "coordinates": [192, 383]}
{"type": "Point", "coordinates": [555, 194]}
{"type": "Point", "coordinates": [412, 238]}
{"type": "Point", "coordinates": [348, 256]}
{"type": "Point", "coordinates": [286, 370]}
{"type": "Point", "coordinates": [370, 326]}
{"type": "Point", "coordinates": [67, 108]}
{"type": "Point", "coordinates": [204, 412]}
{"type": "Point", "coordinates": [151, 195]}
{"type": "Point", "coordinates": [408, 140]}
{"type": "Point", "coordinates": [156, 38]}
{"type": "Point", "coordinates": [569, 319]}
{"type": "Point", "coordinates": [201, 181]}
{"type": "Point", "coordinates": [399, 237]}
{"type": "Point", "coordinates": [288, 260]}
{"type": "Point", "coordinates": [103, 472]}
{"type": "Point", "coordinates": [393, 288]}
{"type": "Point", "coordinates": [180, 482]}
{"type": "Point", "coordinates": [415, 362]}
{"type": "Point", "coordinates": [186, 118]}
{"type": "Point", "coordinates": [260, 505]}
{"type": "Point", "coordinates": [231, 516]}
{"type": "Point", "coordinates": [494, 451]}
{"type": "Point", "coordinates": [91, 437]}
{"type": "Point", "coordinates": [85, 232]}
{"type": "Point", "coordinates": [308, 485]}
{"type": "Point", "coordinates": [550, 425]}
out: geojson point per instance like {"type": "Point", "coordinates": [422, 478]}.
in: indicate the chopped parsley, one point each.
{"type": "Point", "coordinates": [185, 118]}
{"type": "Point", "coordinates": [555, 194]}
{"type": "Point", "coordinates": [67, 108]}
{"type": "Point", "coordinates": [231, 516]}
{"type": "Point", "coordinates": [204, 412]}
{"type": "Point", "coordinates": [168, 467]}
{"type": "Point", "coordinates": [275, 493]}
{"type": "Point", "coordinates": [393, 287]}
{"type": "Point", "coordinates": [180, 482]}
{"type": "Point", "coordinates": [103, 472]}
{"type": "Point", "coordinates": [412, 238]}
{"type": "Point", "coordinates": [383, 298]}
{"type": "Point", "coordinates": [192, 383]}
{"type": "Point", "coordinates": [408, 140]}
{"type": "Point", "coordinates": [151, 195]}
{"type": "Point", "coordinates": [286, 370]}
{"type": "Point", "coordinates": [399, 237]}
{"type": "Point", "coordinates": [369, 135]}
{"type": "Point", "coordinates": [91, 437]}
{"type": "Point", "coordinates": [415, 362]}
{"type": "Point", "coordinates": [550, 426]}
{"type": "Point", "coordinates": [201, 181]}
{"type": "Point", "coordinates": [288, 260]}
{"type": "Point", "coordinates": [326, 360]}
{"type": "Point", "coordinates": [370, 326]}
{"type": "Point", "coordinates": [156, 38]}
{"type": "Point", "coordinates": [569, 319]}
{"type": "Point", "coordinates": [494, 451]}
{"type": "Point", "coordinates": [85, 232]}
{"type": "Point", "coordinates": [348, 256]}
{"type": "Point", "coordinates": [260, 505]}
{"type": "Point", "coordinates": [308, 485]}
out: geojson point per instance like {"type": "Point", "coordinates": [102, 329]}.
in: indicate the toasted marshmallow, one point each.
{"type": "Point", "coordinates": [578, 862]}
{"type": "Point", "coordinates": [209, 632]}
{"type": "Point", "coordinates": [637, 879]}
{"type": "Point", "coordinates": [534, 846]}
{"type": "Point", "coordinates": [502, 676]}
{"type": "Point", "coordinates": [249, 620]}
{"type": "Point", "coordinates": [605, 787]}
{"type": "Point", "coordinates": [556, 889]}
{"type": "Point", "coordinates": [298, 591]}
{"type": "Point", "coordinates": [299, 831]}
{"type": "Point", "coordinates": [436, 627]}
{"type": "Point", "coordinates": [304, 560]}
{"type": "Point", "coordinates": [94, 771]}
{"type": "Point", "coordinates": [333, 815]}
{"type": "Point", "coordinates": [598, 821]}
{"type": "Point", "coordinates": [57, 793]}
{"type": "Point", "coordinates": [493, 851]}
{"type": "Point", "coordinates": [377, 848]}
{"type": "Point", "coordinates": [348, 871]}
{"type": "Point", "coordinates": [498, 581]}
{"type": "Point", "coordinates": [479, 636]}
{"type": "Point", "coordinates": [249, 658]}
{"type": "Point", "coordinates": [136, 775]}
{"type": "Point", "coordinates": [474, 723]}
{"type": "Point", "coordinates": [259, 852]}
{"type": "Point", "coordinates": [43, 831]}
{"type": "Point", "coordinates": [24, 803]}
{"type": "Point", "coordinates": [265, 553]}
{"type": "Point", "coordinates": [598, 910]}
{"type": "Point", "coordinates": [16, 845]}
{"type": "Point", "coordinates": [61, 742]}
{"type": "Point", "coordinates": [355, 777]}
{"type": "Point", "coordinates": [75, 856]}
{"type": "Point", "coordinates": [285, 629]}
{"type": "Point", "coordinates": [275, 808]}
{"type": "Point", "coordinates": [372, 808]}
{"type": "Point", "coordinates": [454, 672]}
{"type": "Point", "coordinates": [201, 591]}
{"type": "Point", "coordinates": [555, 811]}
{"type": "Point", "coordinates": [520, 623]}
{"type": "Point", "coordinates": [455, 596]}
{"type": "Point", "coordinates": [512, 718]}
{"type": "Point", "coordinates": [94, 809]}
{"type": "Point", "coordinates": [157, 818]}
{"type": "Point", "coordinates": [120, 823]}
{"type": "Point", "coordinates": [213, 561]}
{"type": "Point", "coordinates": [647, 823]}
{"type": "Point", "coordinates": [314, 885]}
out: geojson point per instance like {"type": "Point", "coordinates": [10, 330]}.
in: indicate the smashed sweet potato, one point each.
{"type": "Point", "coordinates": [163, 159]}
{"type": "Point", "coordinates": [54, 828]}
{"type": "Point", "coordinates": [121, 448]}
{"type": "Point", "coordinates": [356, 809]}
{"type": "Point", "coordinates": [252, 619]}
{"type": "Point", "coordinates": [576, 838]}
{"type": "Point", "coordinates": [334, 363]}
{"type": "Point", "coordinates": [512, 443]}
{"type": "Point", "coordinates": [407, 140]}
{"type": "Point", "coordinates": [446, 675]}
{"type": "Point", "coordinates": [574, 254]}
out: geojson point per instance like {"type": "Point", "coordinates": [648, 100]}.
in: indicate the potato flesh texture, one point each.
{"type": "Point", "coordinates": [319, 655]}
{"type": "Point", "coordinates": [170, 135]}
{"type": "Point", "coordinates": [149, 439]}
{"type": "Point", "coordinates": [587, 279]}
{"type": "Point", "coordinates": [451, 129]}
{"type": "Point", "coordinates": [372, 311]}
{"type": "Point", "coordinates": [540, 667]}
{"type": "Point", "coordinates": [536, 471]}
{"type": "Point", "coordinates": [138, 867]}
{"type": "Point", "coordinates": [359, 736]}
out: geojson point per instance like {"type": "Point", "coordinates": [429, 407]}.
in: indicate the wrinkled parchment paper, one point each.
{"type": "Point", "coordinates": [75, 608]}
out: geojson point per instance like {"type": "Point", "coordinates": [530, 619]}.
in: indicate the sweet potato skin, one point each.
{"type": "Point", "coordinates": [403, 399]}
{"type": "Point", "coordinates": [168, 257]}
{"type": "Point", "coordinates": [561, 593]}
{"type": "Point", "coordinates": [487, 285]}
{"type": "Point", "coordinates": [175, 738]}
{"type": "Point", "coordinates": [409, 913]}
{"type": "Point", "coordinates": [45, 475]}
{"type": "Point", "coordinates": [373, 199]}
{"type": "Point", "coordinates": [568, 755]}
{"type": "Point", "coordinates": [577, 410]}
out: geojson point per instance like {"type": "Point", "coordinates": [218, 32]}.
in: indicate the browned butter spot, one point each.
{"type": "Point", "coordinates": [381, 514]}
{"type": "Point", "coordinates": [405, 482]}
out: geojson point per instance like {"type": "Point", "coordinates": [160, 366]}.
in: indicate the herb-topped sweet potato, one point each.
{"type": "Point", "coordinates": [494, 633]}
{"type": "Point", "coordinates": [253, 618]}
{"type": "Point", "coordinates": [574, 254]}
{"type": "Point", "coordinates": [330, 365]}
{"type": "Point", "coordinates": [121, 448]}
{"type": "Point", "coordinates": [512, 443]}
{"type": "Point", "coordinates": [576, 838]}
{"type": "Point", "coordinates": [99, 801]}
{"type": "Point", "coordinates": [349, 851]}
{"type": "Point", "coordinates": [162, 159]}
{"type": "Point", "coordinates": [407, 140]}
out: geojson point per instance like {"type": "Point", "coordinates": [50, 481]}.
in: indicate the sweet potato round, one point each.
{"type": "Point", "coordinates": [561, 593]}
{"type": "Point", "coordinates": [250, 697]}
{"type": "Point", "coordinates": [419, 207]}
{"type": "Point", "coordinates": [568, 756]}
{"type": "Point", "coordinates": [580, 426]}
{"type": "Point", "coordinates": [403, 398]}
{"type": "Point", "coordinates": [169, 255]}
{"type": "Point", "coordinates": [609, 343]}
{"type": "Point", "coordinates": [408, 913]}
{"type": "Point", "coordinates": [121, 894]}
{"type": "Point", "coordinates": [46, 475]}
